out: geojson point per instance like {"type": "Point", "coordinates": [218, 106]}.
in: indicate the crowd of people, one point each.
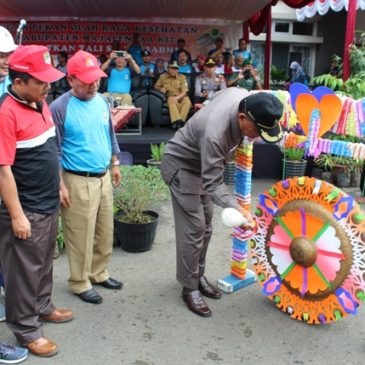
{"type": "Point", "coordinates": [184, 81]}
{"type": "Point", "coordinates": [37, 143]}
{"type": "Point", "coordinates": [63, 160]}
{"type": "Point", "coordinates": [191, 82]}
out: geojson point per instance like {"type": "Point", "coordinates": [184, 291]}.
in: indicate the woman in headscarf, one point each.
{"type": "Point", "coordinates": [297, 73]}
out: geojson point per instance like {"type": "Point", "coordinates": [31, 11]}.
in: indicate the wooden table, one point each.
{"type": "Point", "coordinates": [122, 115]}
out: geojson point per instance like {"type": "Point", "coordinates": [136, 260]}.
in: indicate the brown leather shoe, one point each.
{"type": "Point", "coordinates": [58, 316]}
{"type": "Point", "coordinates": [195, 302]}
{"type": "Point", "coordinates": [208, 290]}
{"type": "Point", "coordinates": [42, 347]}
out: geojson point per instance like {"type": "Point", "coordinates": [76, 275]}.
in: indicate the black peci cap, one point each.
{"type": "Point", "coordinates": [265, 110]}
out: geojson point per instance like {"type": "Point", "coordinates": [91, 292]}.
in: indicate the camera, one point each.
{"type": "Point", "coordinates": [120, 53]}
{"type": "Point", "coordinates": [247, 74]}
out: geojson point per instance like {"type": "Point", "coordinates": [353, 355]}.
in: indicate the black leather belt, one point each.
{"type": "Point", "coordinates": [87, 174]}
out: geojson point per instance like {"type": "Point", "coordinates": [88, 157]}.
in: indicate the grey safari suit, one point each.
{"type": "Point", "coordinates": [193, 166]}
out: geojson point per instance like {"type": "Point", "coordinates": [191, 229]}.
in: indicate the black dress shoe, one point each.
{"type": "Point", "coordinates": [195, 302]}
{"type": "Point", "coordinates": [174, 126]}
{"type": "Point", "coordinates": [90, 296]}
{"type": "Point", "coordinates": [111, 283]}
{"type": "Point", "coordinates": [208, 290]}
{"type": "Point", "coordinates": [180, 124]}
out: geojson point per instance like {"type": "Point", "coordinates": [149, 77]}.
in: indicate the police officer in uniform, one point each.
{"type": "Point", "coordinates": [175, 87]}
{"type": "Point", "coordinates": [193, 165]}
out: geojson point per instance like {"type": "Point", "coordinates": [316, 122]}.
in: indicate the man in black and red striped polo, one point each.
{"type": "Point", "coordinates": [29, 185]}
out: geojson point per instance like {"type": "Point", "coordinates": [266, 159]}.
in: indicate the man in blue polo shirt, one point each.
{"type": "Point", "coordinates": [87, 147]}
{"type": "Point", "coordinates": [120, 75]}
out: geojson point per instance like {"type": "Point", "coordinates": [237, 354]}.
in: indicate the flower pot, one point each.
{"type": "Point", "coordinates": [294, 168]}
{"type": "Point", "coordinates": [355, 179]}
{"type": "Point", "coordinates": [327, 176]}
{"type": "Point", "coordinates": [154, 163]}
{"type": "Point", "coordinates": [136, 237]}
{"type": "Point", "coordinates": [341, 178]}
{"type": "Point", "coordinates": [229, 172]}
{"type": "Point", "coordinates": [317, 172]}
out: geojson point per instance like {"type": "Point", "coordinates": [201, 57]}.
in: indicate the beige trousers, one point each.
{"type": "Point", "coordinates": [180, 110]}
{"type": "Point", "coordinates": [121, 99]}
{"type": "Point", "coordinates": [88, 229]}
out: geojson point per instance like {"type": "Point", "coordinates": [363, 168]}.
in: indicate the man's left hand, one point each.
{"type": "Point", "coordinates": [116, 175]}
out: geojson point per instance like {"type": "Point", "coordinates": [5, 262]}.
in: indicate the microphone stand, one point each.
{"type": "Point", "coordinates": [20, 35]}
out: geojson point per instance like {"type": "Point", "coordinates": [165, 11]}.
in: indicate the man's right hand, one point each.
{"type": "Point", "coordinates": [21, 227]}
{"type": "Point", "coordinates": [250, 221]}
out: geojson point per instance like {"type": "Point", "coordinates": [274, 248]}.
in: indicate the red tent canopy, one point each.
{"type": "Point", "coordinates": [262, 19]}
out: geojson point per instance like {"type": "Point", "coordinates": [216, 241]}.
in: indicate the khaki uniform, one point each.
{"type": "Point", "coordinates": [174, 86]}
{"type": "Point", "coordinates": [193, 166]}
{"type": "Point", "coordinates": [122, 99]}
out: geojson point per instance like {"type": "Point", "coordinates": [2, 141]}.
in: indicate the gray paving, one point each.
{"type": "Point", "coordinates": [146, 323]}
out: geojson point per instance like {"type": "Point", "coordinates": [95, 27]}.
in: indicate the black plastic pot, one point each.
{"type": "Point", "coordinates": [154, 163]}
{"type": "Point", "coordinates": [136, 237]}
{"type": "Point", "coordinates": [294, 168]}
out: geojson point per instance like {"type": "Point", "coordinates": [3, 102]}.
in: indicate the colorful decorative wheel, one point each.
{"type": "Point", "coordinates": [309, 250]}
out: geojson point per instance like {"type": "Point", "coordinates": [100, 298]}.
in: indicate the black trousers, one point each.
{"type": "Point", "coordinates": [28, 269]}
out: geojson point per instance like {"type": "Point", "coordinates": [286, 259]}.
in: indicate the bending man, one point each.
{"type": "Point", "coordinates": [193, 167]}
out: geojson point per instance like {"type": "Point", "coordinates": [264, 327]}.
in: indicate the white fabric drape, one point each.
{"type": "Point", "coordinates": [322, 6]}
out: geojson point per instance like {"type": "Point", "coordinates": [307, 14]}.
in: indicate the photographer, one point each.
{"type": "Point", "coordinates": [247, 78]}
{"type": "Point", "coordinates": [120, 75]}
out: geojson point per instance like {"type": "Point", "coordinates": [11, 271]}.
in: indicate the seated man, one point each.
{"type": "Point", "coordinates": [247, 78]}
{"type": "Point", "coordinates": [120, 75]}
{"type": "Point", "coordinates": [175, 87]}
{"type": "Point", "coordinates": [184, 67]}
{"type": "Point", "coordinates": [147, 69]}
{"type": "Point", "coordinates": [237, 63]}
{"type": "Point", "coordinates": [223, 68]}
{"type": "Point", "coordinates": [219, 48]}
{"type": "Point", "coordinates": [208, 83]}
{"type": "Point", "coordinates": [180, 47]}
{"type": "Point", "coordinates": [242, 50]}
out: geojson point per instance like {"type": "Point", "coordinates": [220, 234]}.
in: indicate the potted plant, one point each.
{"type": "Point", "coordinates": [325, 162]}
{"type": "Point", "coordinates": [278, 76]}
{"type": "Point", "coordinates": [157, 152]}
{"type": "Point", "coordinates": [134, 221]}
{"type": "Point", "coordinates": [343, 171]}
{"type": "Point", "coordinates": [294, 163]}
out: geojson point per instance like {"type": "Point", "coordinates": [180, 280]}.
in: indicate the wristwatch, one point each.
{"type": "Point", "coordinates": [115, 163]}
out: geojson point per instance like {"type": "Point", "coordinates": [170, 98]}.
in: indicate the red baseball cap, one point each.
{"type": "Point", "coordinates": [85, 67]}
{"type": "Point", "coordinates": [35, 61]}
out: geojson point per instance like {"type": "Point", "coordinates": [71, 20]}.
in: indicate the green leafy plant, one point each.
{"type": "Point", "coordinates": [342, 137]}
{"type": "Point", "coordinates": [140, 188]}
{"type": "Point", "coordinates": [354, 86]}
{"type": "Point", "coordinates": [327, 162]}
{"type": "Point", "coordinates": [294, 153]}
{"type": "Point", "coordinates": [157, 151]}
{"type": "Point", "coordinates": [59, 240]}
{"type": "Point", "coordinates": [277, 74]}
